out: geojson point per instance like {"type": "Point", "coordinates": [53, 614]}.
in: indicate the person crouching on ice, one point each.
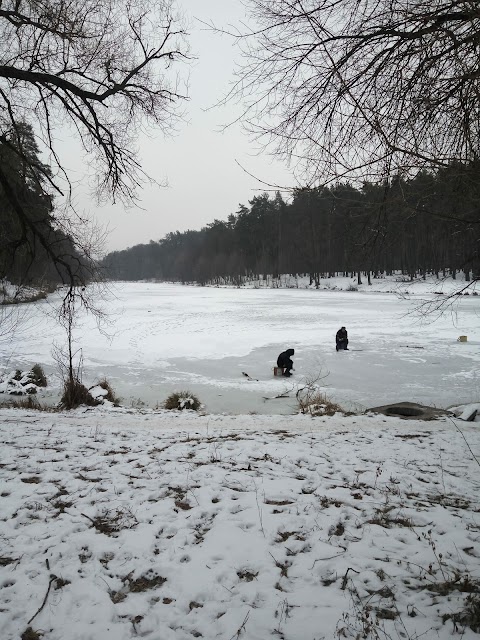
{"type": "Point", "coordinates": [284, 360]}
{"type": "Point", "coordinates": [342, 339]}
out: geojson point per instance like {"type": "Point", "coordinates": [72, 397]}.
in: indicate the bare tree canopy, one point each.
{"type": "Point", "coordinates": [103, 67]}
{"type": "Point", "coordinates": [364, 88]}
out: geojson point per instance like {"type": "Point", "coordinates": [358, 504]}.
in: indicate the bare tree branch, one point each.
{"type": "Point", "coordinates": [362, 89]}
{"type": "Point", "coordinates": [104, 66]}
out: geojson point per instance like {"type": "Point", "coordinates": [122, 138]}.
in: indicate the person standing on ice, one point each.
{"type": "Point", "coordinates": [285, 361]}
{"type": "Point", "coordinates": [342, 339]}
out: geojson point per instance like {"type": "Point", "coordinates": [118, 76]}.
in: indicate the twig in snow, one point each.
{"type": "Point", "coordinates": [345, 578]}
{"type": "Point", "coordinates": [441, 468]}
{"type": "Point", "coordinates": [88, 518]}
{"type": "Point", "coordinates": [241, 628]}
{"type": "Point", "coordinates": [408, 346]}
{"type": "Point", "coordinates": [191, 490]}
{"type": "Point", "coordinates": [284, 614]}
{"type": "Point", "coordinates": [329, 558]}
{"type": "Point", "coordinates": [229, 590]}
{"type": "Point", "coordinates": [461, 433]}
{"type": "Point", "coordinates": [283, 567]}
{"type": "Point", "coordinates": [53, 578]}
{"type": "Point", "coordinates": [282, 395]}
{"type": "Point", "coordinates": [260, 515]}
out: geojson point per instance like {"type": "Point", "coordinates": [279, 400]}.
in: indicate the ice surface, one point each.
{"type": "Point", "coordinates": [166, 337]}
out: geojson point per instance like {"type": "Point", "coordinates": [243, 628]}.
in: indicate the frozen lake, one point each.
{"type": "Point", "coordinates": [165, 337]}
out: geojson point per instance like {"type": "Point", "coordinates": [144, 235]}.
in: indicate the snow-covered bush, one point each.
{"type": "Point", "coordinates": [182, 400]}
{"type": "Point", "coordinates": [17, 294]}
{"type": "Point", "coordinates": [21, 383]}
{"type": "Point", "coordinates": [103, 391]}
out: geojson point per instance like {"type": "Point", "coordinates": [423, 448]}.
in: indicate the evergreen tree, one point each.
{"type": "Point", "coordinates": [33, 247]}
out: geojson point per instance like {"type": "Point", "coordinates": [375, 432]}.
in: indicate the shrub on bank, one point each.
{"type": "Point", "coordinates": [75, 394]}
{"type": "Point", "coordinates": [181, 400]}
{"type": "Point", "coordinates": [21, 383]}
{"type": "Point", "coordinates": [103, 391]}
{"type": "Point", "coordinates": [38, 376]}
{"type": "Point", "coordinates": [317, 404]}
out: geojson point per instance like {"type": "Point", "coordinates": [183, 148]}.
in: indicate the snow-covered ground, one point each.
{"type": "Point", "coordinates": [119, 524]}
{"type": "Point", "coordinates": [165, 337]}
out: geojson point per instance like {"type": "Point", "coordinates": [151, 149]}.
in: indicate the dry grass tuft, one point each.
{"type": "Point", "coordinates": [30, 634]}
{"type": "Point", "coordinates": [277, 503]}
{"type": "Point", "coordinates": [317, 404]}
{"type": "Point", "coordinates": [469, 617]}
{"type": "Point", "coordinates": [246, 575]}
{"type": "Point", "coordinates": [183, 505]}
{"type": "Point", "coordinates": [150, 580]}
{"type": "Point", "coordinates": [60, 583]}
{"type": "Point", "coordinates": [384, 517]}
{"type": "Point", "coordinates": [112, 521]}
{"type": "Point", "coordinates": [283, 536]}
{"type": "Point", "coordinates": [337, 530]}
{"type": "Point", "coordinates": [385, 614]}
{"type": "Point", "coordinates": [61, 505]}
{"type": "Point", "coordinates": [111, 397]}
{"type": "Point", "coordinates": [181, 400]}
{"type": "Point", "coordinates": [27, 403]}
{"type": "Point", "coordinates": [456, 582]}
{"type": "Point", "coordinates": [32, 480]}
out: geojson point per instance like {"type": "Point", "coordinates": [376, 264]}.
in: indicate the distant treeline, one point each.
{"type": "Point", "coordinates": [427, 224]}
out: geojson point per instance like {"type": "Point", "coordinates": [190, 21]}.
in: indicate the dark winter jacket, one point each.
{"type": "Point", "coordinates": [284, 359]}
{"type": "Point", "coordinates": [342, 335]}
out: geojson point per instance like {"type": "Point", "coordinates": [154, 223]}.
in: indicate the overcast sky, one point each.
{"type": "Point", "coordinates": [200, 162]}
